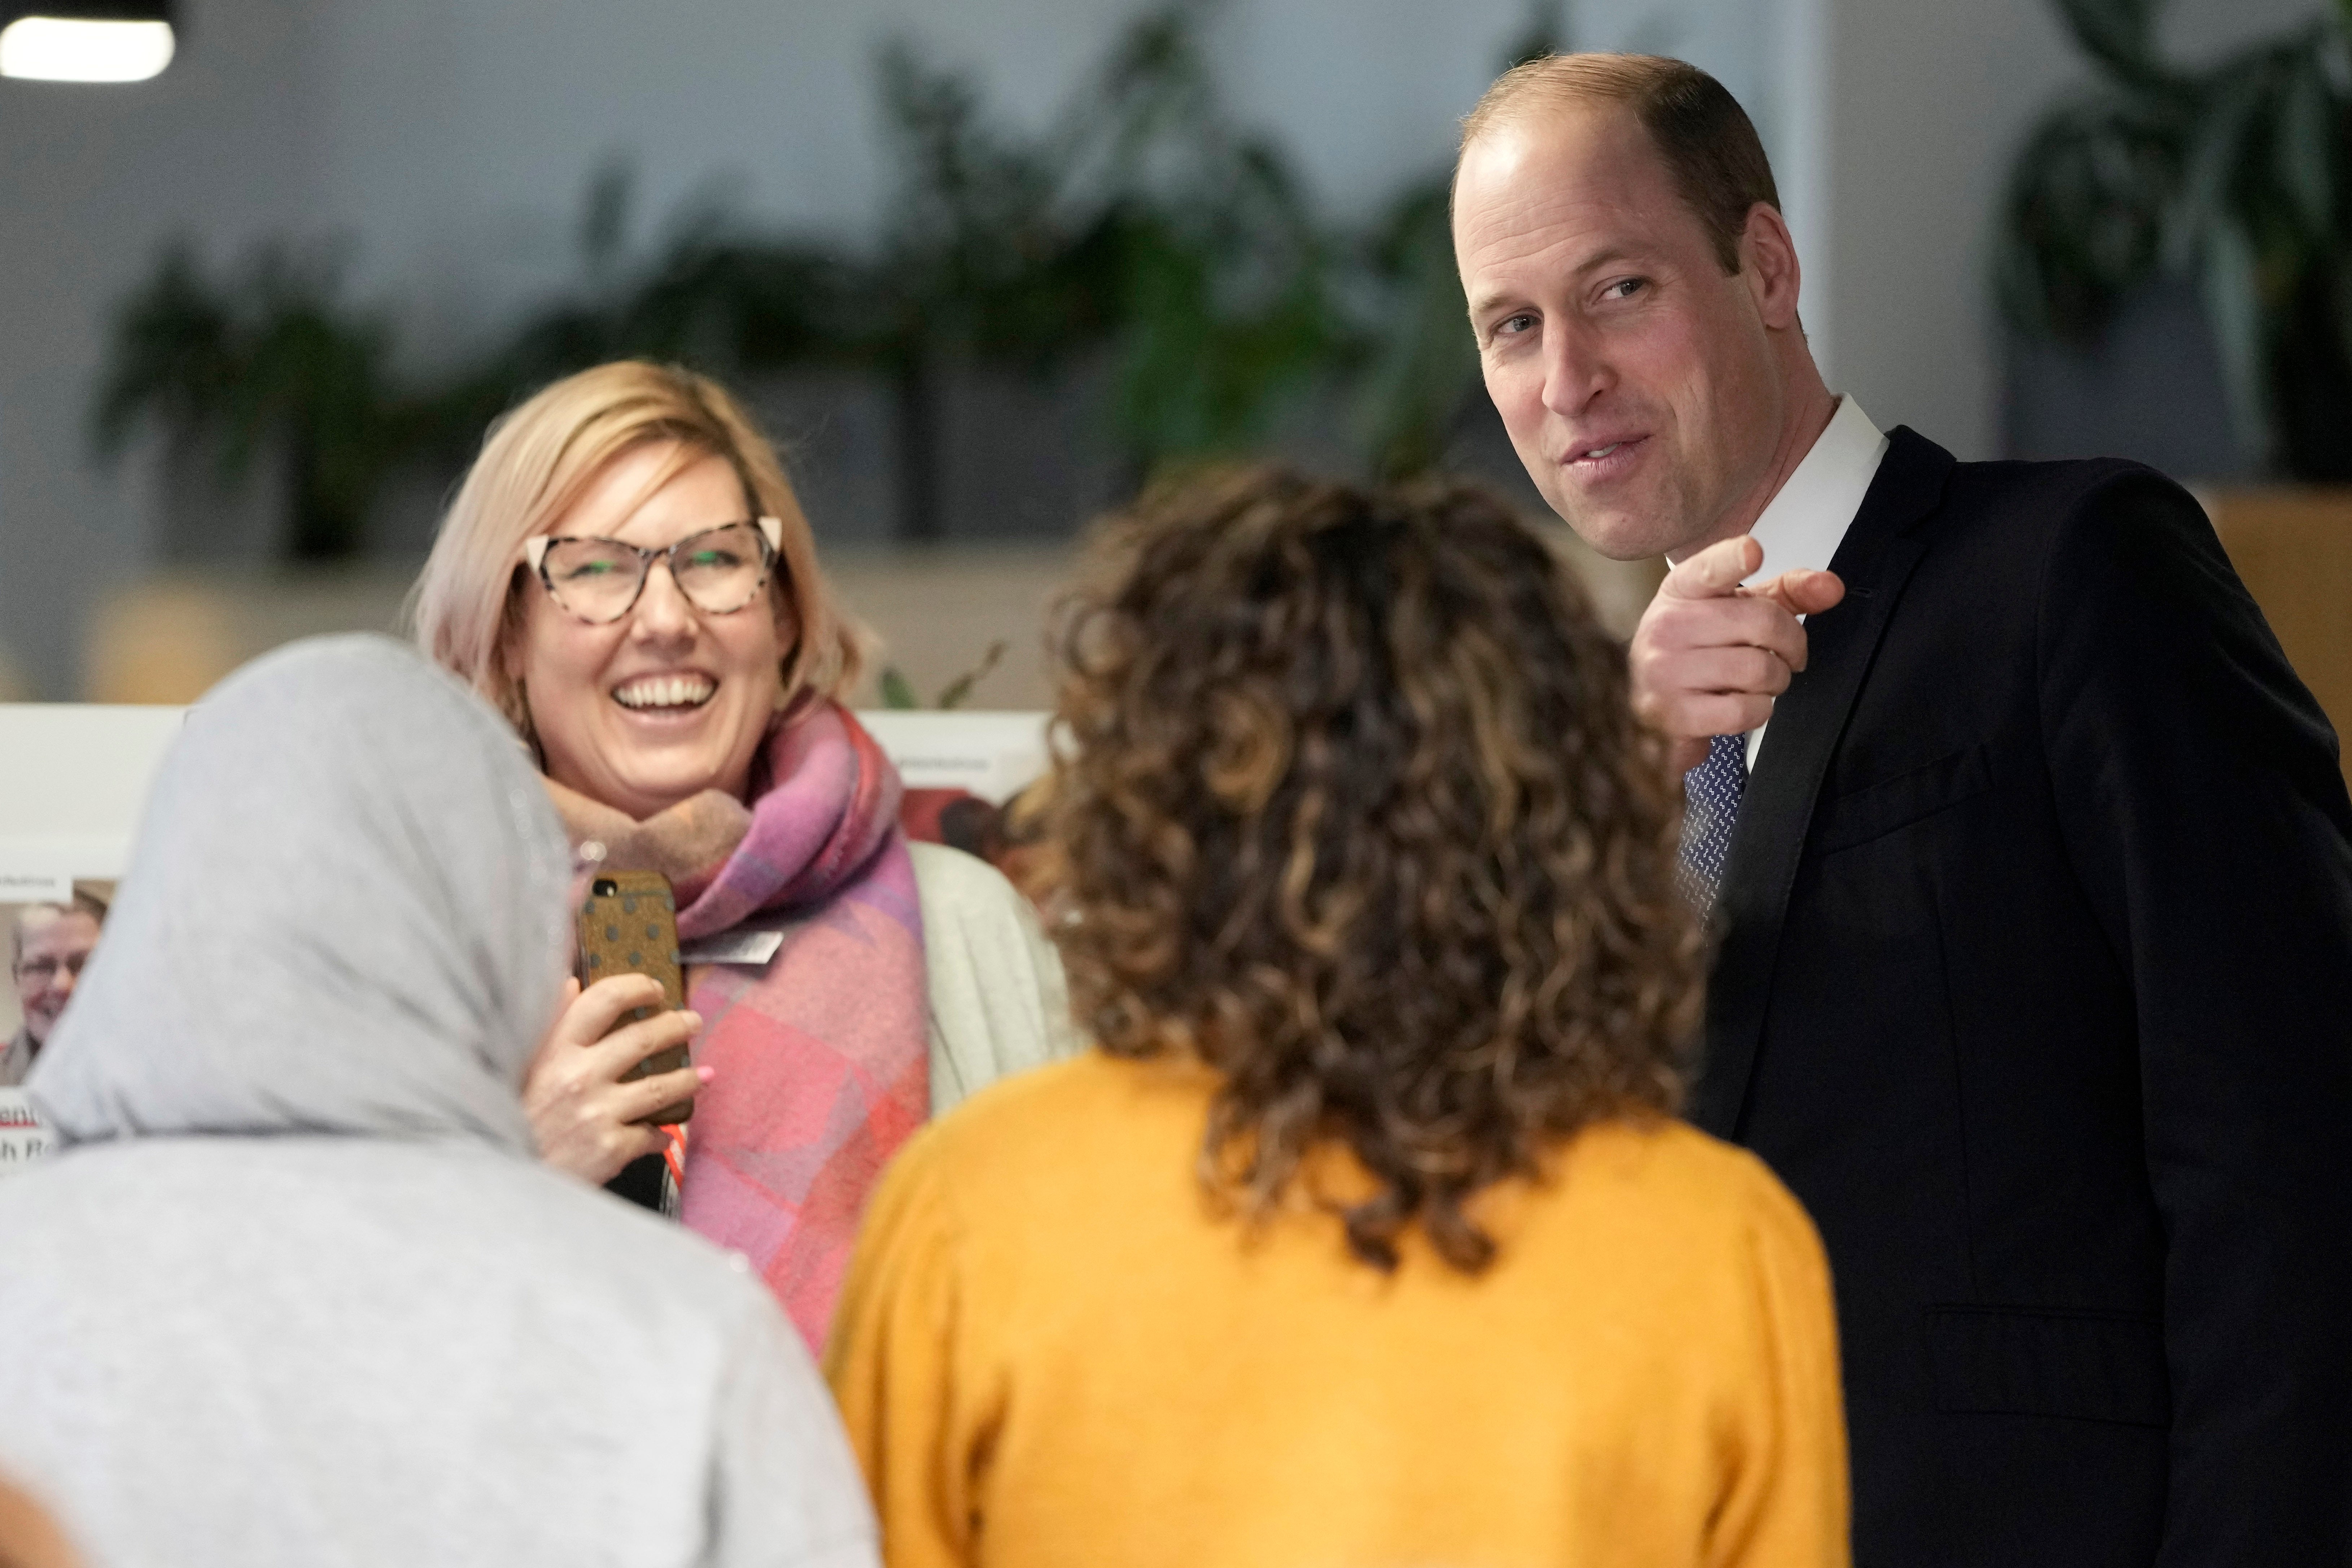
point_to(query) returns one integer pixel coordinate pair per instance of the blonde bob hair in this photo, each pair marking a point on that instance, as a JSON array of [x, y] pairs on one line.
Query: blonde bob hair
[[538, 459]]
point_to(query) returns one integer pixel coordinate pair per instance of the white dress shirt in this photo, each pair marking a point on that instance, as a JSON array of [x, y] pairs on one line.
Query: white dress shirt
[[1805, 521]]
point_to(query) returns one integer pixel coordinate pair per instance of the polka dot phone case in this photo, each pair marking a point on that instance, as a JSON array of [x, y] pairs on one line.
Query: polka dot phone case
[[629, 926]]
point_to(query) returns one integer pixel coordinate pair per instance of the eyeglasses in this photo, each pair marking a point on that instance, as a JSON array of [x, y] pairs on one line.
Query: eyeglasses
[[719, 569], [43, 971]]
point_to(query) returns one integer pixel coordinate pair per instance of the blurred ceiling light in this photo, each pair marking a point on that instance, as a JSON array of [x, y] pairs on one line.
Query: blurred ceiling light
[[85, 40]]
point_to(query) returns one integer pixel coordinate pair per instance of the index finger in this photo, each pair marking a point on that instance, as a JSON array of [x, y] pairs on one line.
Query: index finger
[[1801, 591], [594, 1013], [1715, 572]]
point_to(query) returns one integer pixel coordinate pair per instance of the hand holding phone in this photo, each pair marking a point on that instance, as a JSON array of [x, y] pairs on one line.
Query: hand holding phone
[[586, 1120]]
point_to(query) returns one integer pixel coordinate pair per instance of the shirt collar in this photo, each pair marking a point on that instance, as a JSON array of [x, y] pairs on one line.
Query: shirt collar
[[1803, 525]]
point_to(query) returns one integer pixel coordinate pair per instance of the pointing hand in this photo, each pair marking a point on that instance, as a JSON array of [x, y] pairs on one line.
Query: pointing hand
[[1710, 655]]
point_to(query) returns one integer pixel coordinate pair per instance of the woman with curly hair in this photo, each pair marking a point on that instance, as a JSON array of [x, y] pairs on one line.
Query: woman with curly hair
[[1366, 1235]]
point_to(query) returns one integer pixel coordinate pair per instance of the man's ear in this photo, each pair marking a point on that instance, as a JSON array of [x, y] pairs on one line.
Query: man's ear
[[1767, 256]]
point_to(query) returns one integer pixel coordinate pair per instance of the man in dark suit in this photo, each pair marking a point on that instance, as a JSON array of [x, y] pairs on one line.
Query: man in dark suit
[[2035, 913]]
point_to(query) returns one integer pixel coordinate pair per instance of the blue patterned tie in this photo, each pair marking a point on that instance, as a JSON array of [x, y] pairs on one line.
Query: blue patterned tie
[[1713, 790]]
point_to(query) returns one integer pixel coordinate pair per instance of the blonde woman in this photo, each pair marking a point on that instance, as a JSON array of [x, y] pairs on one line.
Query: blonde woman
[[626, 575]]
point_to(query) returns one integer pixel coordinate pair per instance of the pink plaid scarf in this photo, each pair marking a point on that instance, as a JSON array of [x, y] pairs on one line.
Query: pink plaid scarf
[[823, 1055]]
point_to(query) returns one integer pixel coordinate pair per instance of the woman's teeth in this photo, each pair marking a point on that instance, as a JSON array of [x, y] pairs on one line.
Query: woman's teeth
[[665, 691]]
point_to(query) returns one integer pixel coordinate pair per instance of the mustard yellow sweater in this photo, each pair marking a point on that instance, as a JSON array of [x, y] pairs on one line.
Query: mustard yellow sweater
[[1053, 1352]]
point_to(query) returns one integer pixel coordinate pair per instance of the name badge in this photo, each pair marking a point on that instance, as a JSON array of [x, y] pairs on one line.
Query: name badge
[[737, 946]]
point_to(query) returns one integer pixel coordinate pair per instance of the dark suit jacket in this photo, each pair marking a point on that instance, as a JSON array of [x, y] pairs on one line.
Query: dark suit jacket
[[2035, 985]]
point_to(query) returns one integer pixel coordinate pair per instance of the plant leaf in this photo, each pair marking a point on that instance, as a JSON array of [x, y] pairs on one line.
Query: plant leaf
[[2216, 171], [2121, 35], [2087, 209], [604, 215], [898, 692], [2304, 143], [2231, 289], [958, 691], [1422, 362]]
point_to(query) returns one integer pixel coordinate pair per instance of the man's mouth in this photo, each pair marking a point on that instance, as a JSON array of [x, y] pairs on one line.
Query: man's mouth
[[665, 693], [1605, 453]]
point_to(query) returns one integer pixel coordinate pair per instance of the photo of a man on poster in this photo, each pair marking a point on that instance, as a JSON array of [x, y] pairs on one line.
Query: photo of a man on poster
[[47, 945]]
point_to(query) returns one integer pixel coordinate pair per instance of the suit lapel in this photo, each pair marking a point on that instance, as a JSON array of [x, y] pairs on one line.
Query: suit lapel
[[1881, 547]]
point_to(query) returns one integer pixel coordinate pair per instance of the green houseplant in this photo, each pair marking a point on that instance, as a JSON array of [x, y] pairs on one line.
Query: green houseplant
[[1143, 228], [2236, 175], [265, 362]]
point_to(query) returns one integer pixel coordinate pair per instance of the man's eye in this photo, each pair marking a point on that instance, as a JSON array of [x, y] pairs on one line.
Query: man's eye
[[1625, 288], [1512, 326]]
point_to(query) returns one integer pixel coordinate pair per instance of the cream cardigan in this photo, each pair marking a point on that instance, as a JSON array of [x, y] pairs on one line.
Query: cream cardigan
[[998, 1003]]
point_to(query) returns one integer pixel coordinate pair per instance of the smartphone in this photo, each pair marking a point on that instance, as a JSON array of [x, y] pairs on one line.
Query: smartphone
[[629, 926]]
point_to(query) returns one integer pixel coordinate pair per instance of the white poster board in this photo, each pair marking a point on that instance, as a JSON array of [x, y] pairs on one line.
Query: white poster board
[[73, 777], [994, 756]]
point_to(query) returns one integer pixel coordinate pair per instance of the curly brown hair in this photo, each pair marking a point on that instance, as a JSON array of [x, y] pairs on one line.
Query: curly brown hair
[[1349, 803]]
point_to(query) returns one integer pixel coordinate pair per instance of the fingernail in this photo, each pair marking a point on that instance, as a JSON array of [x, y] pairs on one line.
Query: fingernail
[[706, 1074]]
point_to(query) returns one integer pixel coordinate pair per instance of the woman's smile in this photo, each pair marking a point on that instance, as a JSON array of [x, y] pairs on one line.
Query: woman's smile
[[666, 696]]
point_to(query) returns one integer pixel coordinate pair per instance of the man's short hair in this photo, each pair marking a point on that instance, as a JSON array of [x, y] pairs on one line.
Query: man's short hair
[[1706, 137], [86, 903]]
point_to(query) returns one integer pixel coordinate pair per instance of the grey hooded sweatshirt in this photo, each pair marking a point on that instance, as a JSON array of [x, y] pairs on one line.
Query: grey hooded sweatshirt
[[296, 1293]]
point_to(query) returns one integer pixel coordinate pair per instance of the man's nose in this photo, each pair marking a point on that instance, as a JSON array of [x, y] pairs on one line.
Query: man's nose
[[1574, 372], [63, 981]]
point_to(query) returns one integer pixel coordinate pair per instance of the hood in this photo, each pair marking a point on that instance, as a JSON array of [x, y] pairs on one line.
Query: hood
[[345, 913]]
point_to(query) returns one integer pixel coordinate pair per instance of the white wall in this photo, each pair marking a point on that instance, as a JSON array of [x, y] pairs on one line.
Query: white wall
[[1920, 103], [90, 180], [1920, 106]]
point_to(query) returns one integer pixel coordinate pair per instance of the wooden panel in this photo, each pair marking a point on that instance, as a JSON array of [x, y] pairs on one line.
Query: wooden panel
[[2293, 546], [168, 639]]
